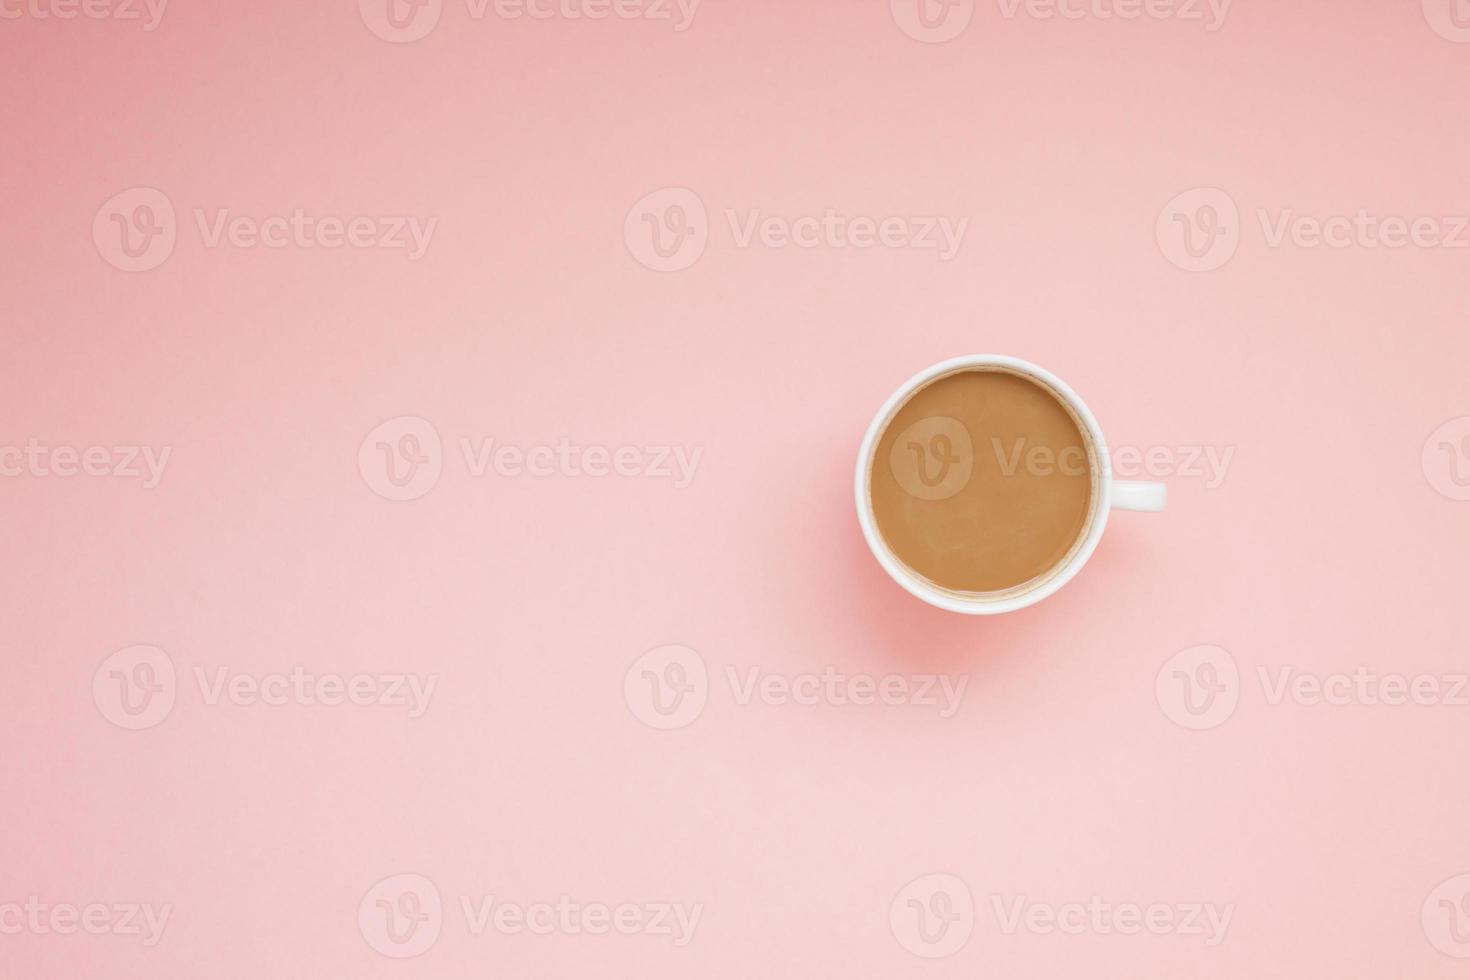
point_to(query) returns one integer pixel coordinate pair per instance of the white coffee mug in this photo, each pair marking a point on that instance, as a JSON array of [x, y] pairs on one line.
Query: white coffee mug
[[1111, 494]]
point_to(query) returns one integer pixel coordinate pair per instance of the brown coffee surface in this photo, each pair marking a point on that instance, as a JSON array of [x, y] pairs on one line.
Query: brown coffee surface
[[982, 481]]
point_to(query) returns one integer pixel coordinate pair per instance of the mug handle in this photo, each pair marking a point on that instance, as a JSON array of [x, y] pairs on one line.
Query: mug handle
[[1138, 495]]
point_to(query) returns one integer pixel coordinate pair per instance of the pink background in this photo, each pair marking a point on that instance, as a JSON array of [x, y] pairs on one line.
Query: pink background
[[1326, 548]]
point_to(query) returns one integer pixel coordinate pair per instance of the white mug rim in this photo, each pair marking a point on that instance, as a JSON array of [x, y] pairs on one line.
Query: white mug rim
[[930, 593]]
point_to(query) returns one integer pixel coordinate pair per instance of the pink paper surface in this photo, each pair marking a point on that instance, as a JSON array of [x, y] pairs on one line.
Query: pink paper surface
[[631, 698]]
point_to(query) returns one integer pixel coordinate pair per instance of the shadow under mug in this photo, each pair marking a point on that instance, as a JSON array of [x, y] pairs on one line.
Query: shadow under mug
[[1110, 494]]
